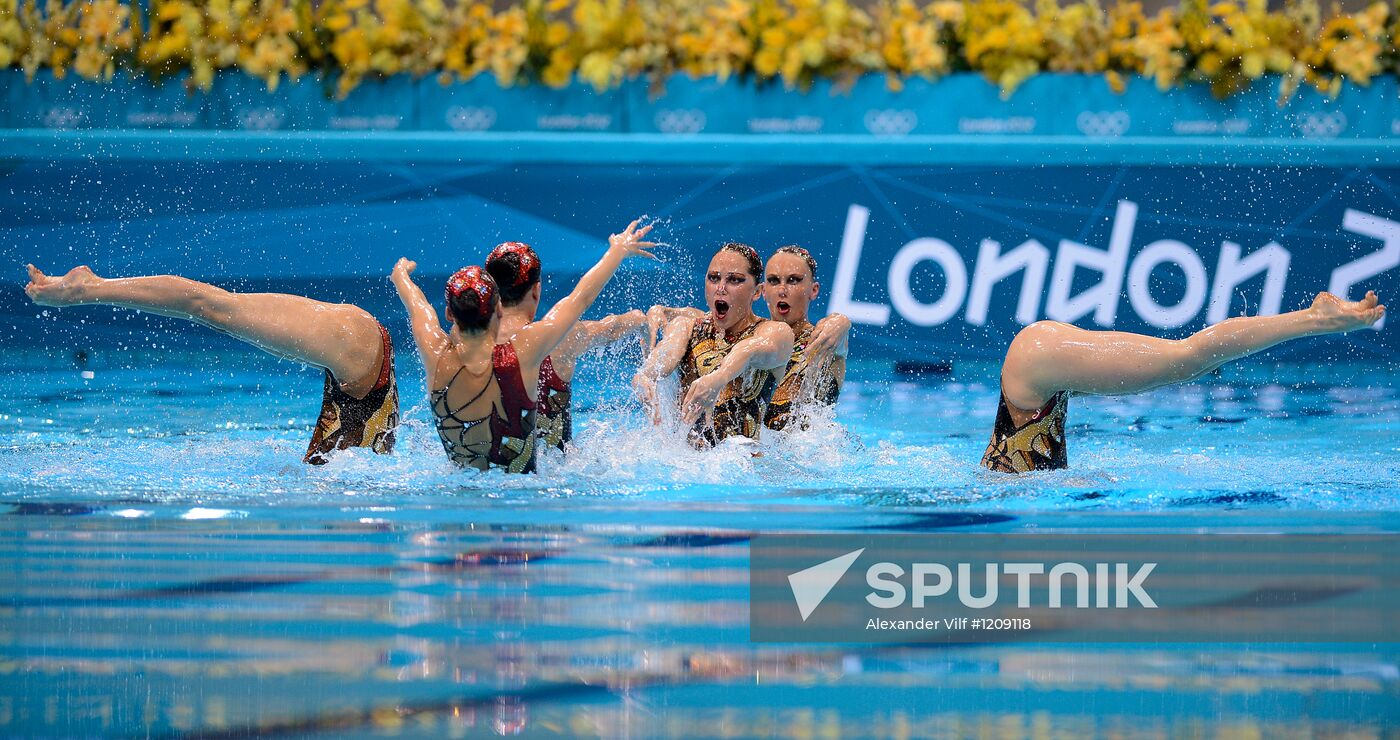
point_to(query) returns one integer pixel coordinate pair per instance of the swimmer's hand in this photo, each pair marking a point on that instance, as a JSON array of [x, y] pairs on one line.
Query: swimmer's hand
[[403, 269], [1336, 315], [629, 242], [829, 338], [69, 290], [644, 385], [699, 403]]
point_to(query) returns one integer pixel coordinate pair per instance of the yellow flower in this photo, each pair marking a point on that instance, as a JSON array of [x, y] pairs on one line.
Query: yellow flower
[[12, 38], [947, 11], [1002, 40], [1224, 43], [1350, 47], [912, 41]]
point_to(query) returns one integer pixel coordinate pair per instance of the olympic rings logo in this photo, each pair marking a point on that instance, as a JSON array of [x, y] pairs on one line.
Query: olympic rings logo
[[680, 121], [461, 118], [261, 119], [63, 118], [1322, 125], [1103, 123], [890, 122]]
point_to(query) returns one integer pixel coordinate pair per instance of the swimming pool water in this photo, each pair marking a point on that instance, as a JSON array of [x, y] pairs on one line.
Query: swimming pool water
[[232, 427], [169, 567]]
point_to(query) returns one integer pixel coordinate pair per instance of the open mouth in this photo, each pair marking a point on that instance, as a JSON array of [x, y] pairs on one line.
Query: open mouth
[[721, 308], [782, 307]]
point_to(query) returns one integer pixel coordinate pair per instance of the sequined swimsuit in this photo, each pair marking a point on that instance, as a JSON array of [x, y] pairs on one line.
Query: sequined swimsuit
[[511, 423], [801, 387], [740, 408], [346, 421], [553, 406], [1039, 444]]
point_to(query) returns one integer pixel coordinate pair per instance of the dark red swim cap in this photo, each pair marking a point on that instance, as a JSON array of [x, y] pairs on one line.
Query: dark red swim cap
[[474, 280], [529, 267]]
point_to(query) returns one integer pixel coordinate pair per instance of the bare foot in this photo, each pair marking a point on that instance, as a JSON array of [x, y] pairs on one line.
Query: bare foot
[[68, 290], [1336, 315]]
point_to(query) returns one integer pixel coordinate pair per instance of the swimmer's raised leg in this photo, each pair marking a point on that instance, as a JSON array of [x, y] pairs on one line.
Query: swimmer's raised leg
[[1048, 361], [342, 338], [1048, 357]]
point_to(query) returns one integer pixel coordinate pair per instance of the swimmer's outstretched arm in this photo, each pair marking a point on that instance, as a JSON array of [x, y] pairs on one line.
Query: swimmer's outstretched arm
[[433, 343], [589, 334], [339, 337], [658, 317], [769, 348], [537, 339], [1048, 357], [586, 335], [663, 360]]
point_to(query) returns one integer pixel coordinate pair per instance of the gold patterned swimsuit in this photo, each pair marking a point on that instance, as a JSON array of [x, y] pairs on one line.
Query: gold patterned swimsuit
[[346, 421], [740, 408], [1039, 444], [800, 387], [553, 407]]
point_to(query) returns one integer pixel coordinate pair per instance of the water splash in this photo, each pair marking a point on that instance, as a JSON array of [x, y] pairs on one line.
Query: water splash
[[226, 440]]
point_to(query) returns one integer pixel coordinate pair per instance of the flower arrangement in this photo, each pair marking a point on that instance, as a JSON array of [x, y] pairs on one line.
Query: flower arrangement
[[1225, 44]]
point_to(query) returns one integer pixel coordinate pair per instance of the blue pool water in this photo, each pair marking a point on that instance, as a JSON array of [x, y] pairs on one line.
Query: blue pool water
[[169, 567], [231, 427]]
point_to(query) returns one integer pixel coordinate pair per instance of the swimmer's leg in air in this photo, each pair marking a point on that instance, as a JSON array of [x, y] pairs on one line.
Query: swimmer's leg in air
[[1049, 360], [341, 338], [359, 399]]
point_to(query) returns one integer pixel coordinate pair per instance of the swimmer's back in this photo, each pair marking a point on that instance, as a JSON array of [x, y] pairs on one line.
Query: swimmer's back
[[485, 417]]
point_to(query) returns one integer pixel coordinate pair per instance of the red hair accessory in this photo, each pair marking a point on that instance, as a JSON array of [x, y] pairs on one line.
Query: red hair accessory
[[529, 261], [473, 279]]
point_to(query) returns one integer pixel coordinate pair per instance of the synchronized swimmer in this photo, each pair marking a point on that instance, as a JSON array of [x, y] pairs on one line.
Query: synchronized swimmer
[[500, 379], [815, 364], [484, 391], [516, 269], [360, 401], [1049, 361], [730, 360]]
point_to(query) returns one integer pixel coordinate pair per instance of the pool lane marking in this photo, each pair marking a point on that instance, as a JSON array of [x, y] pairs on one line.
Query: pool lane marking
[[349, 719], [340, 720], [491, 557]]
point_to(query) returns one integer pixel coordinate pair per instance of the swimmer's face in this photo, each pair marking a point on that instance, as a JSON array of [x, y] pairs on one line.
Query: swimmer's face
[[729, 289], [789, 288]]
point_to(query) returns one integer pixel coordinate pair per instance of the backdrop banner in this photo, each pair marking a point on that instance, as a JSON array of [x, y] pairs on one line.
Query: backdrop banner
[[965, 104], [927, 260]]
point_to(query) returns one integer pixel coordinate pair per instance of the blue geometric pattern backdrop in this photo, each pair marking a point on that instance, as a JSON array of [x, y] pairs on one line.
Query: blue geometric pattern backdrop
[[929, 260]]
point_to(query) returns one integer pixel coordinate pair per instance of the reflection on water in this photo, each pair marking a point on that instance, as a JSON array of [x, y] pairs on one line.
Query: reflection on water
[[351, 625], [169, 567]]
